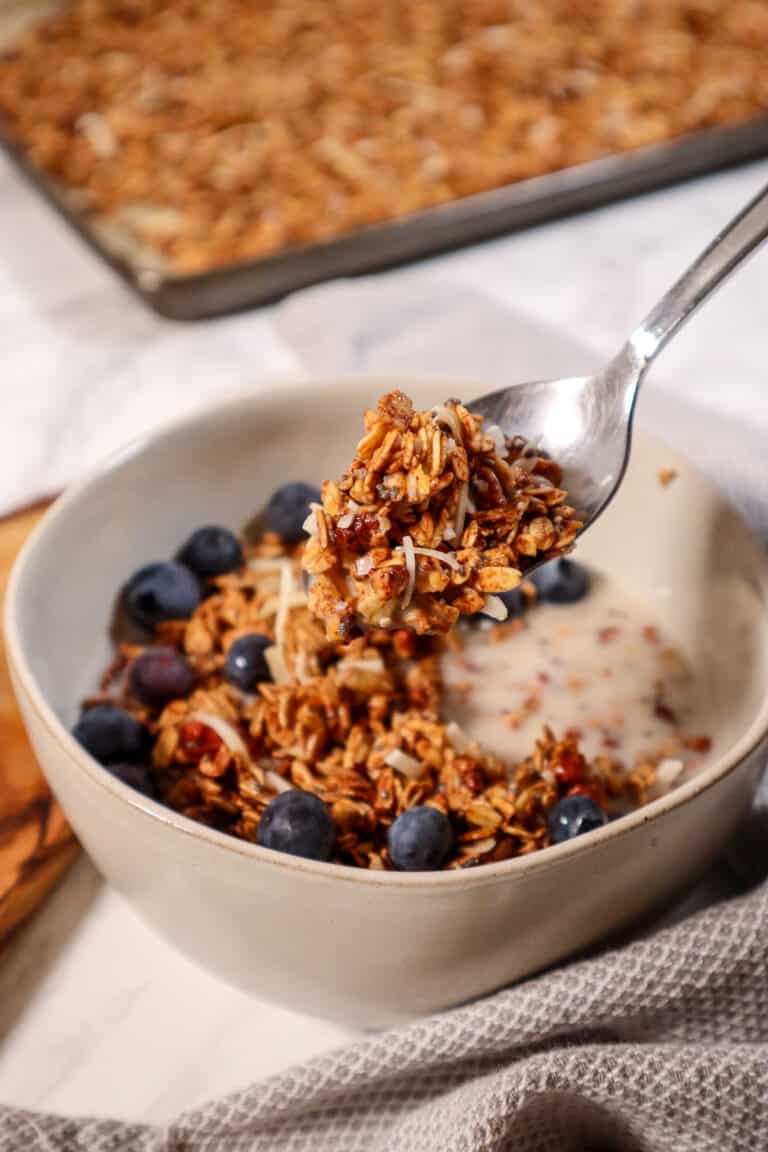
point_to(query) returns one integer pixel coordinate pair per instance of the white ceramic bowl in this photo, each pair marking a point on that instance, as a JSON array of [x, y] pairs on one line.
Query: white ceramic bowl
[[372, 948]]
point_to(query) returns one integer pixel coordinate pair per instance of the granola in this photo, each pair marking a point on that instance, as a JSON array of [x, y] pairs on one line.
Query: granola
[[360, 725], [436, 516], [218, 132]]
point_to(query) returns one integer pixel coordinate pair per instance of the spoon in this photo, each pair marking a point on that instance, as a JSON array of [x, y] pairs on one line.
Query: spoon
[[585, 422]]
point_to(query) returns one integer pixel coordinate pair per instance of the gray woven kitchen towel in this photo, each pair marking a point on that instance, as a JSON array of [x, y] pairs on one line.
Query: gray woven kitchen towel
[[657, 1044]]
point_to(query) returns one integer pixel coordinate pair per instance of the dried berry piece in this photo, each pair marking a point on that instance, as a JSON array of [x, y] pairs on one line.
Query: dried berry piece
[[160, 674]]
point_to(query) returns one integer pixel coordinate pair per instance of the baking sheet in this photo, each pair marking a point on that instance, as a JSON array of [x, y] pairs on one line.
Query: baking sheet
[[260, 281]]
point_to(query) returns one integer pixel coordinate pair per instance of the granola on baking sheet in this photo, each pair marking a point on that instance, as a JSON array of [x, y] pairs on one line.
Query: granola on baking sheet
[[437, 514], [212, 133]]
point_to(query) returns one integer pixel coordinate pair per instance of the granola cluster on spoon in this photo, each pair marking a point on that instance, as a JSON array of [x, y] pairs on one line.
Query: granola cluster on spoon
[[438, 516]]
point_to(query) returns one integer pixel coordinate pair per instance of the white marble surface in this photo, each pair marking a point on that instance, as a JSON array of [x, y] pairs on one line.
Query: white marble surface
[[96, 1013], [99, 1016]]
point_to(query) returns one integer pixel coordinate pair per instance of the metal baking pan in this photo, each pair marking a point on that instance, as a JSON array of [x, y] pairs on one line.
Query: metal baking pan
[[478, 217]]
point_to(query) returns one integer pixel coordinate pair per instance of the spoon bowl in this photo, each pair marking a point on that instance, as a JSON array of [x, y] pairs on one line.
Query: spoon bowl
[[570, 421], [585, 422]]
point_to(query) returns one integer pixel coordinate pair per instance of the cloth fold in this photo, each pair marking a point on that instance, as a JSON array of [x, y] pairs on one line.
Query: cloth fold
[[656, 1045]]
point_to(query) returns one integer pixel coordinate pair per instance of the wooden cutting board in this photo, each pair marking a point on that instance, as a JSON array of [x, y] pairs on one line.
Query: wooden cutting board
[[36, 844]]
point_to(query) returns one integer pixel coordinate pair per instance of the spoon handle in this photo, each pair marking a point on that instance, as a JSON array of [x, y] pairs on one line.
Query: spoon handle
[[738, 240]]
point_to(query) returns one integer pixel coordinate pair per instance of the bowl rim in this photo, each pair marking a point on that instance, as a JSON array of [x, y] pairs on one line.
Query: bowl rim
[[309, 389]]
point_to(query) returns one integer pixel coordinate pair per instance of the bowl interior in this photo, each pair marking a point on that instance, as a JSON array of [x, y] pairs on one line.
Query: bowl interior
[[681, 549]]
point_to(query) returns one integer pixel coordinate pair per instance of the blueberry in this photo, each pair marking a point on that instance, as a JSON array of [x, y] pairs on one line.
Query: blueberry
[[246, 666], [288, 508], [160, 592], [112, 735], [298, 823], [160, 674], [136, 776], [212, 551], [420, 839], [572, 816], [562, 581]]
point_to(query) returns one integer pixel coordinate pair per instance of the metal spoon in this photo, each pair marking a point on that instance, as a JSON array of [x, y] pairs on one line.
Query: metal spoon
[[585, 422]]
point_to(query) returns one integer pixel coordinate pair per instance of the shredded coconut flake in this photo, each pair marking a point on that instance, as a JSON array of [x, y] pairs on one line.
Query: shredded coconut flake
[[345, 520], [278, 669], [276, 781], [457, 737], [300, 667], [282, 608], [404, 763], [368, 664], [310, 525], [363, 565], [499, 440], [495, 608], [461, 511], [444, 557], [225, 731], [410, 552], [290, 596], [442, 414], [668, 771], [268, 563], [480, 847], [410, 563]]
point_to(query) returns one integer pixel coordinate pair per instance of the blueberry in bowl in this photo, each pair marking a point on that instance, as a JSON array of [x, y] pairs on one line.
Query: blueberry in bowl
[[246, 664], [162, 591], [136, 776], [298, 823], [112, 735], [420, 839], [211, 551], [288, 509], [573, 816], [562, 581]]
